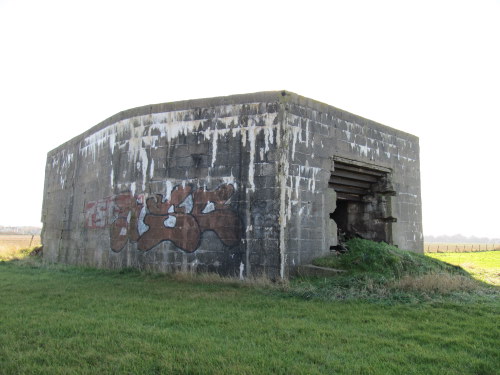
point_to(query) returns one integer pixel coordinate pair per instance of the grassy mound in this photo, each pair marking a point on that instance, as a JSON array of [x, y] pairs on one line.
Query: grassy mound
[[383, 259], [380, 272]]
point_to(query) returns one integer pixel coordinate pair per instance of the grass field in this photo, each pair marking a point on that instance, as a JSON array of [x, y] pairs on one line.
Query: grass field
[[64, 320], [483, 265], [59, 319]]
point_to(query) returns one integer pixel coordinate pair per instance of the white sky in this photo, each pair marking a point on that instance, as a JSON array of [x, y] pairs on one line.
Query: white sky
[[431, 68]]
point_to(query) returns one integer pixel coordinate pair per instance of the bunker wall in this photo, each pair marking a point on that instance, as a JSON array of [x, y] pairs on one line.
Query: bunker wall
[[318, 134], [239, 185], [180, 189]]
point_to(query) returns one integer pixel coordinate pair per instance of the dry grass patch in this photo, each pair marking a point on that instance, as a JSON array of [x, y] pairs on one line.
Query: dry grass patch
[[261, 281], [17, 246], [443, 283]]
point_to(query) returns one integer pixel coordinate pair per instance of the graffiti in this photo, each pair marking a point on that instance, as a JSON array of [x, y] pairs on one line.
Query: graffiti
[[125, 224], [181, 218], [102, 213]]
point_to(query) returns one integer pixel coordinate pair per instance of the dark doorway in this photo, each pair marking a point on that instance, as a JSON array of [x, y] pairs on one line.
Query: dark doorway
[[364, 194], [340, 215]]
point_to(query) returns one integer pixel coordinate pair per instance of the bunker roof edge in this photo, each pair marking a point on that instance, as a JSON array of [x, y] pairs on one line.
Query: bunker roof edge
[[281, 96]]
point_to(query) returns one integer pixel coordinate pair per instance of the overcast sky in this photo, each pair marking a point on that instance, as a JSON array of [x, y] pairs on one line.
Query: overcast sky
[[430, 68]]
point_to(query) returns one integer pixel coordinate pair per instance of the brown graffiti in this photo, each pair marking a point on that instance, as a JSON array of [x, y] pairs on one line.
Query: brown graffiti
[[176, 226], [181, 219], [185, 234], [127, 209], [212, 213]]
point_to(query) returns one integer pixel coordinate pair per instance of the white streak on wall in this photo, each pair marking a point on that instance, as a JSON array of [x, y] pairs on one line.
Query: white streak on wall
[[215, 136], [138, 134], [142, 227], [251, 164], [234, 132], [143, 155], [152, 169], [289, 202], [230, 180], [168, 190], [171, 126], [363, 149], [282, 180], [297, 186], [244, 137], [307, 133], [268, 137], [295, 131], [278, 136], [294, 123], [112, 142], [242, 268], [308, 175], [61, 162]]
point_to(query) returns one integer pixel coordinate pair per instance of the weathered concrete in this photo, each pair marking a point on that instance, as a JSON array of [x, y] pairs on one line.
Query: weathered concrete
[[239, 185]]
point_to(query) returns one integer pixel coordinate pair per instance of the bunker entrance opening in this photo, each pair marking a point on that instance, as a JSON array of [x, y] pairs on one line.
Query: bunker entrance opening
[[363, 201]]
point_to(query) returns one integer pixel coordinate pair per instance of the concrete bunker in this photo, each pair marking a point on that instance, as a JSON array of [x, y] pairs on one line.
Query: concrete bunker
[[240, 185]]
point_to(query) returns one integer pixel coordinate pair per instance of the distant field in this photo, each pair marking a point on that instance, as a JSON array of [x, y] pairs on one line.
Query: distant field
[[459, 247], [11, 244]]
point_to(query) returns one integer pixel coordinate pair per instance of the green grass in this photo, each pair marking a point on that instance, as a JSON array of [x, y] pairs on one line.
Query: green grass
[[484, 265], [69, 320], [383, 259], [380, 272]]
